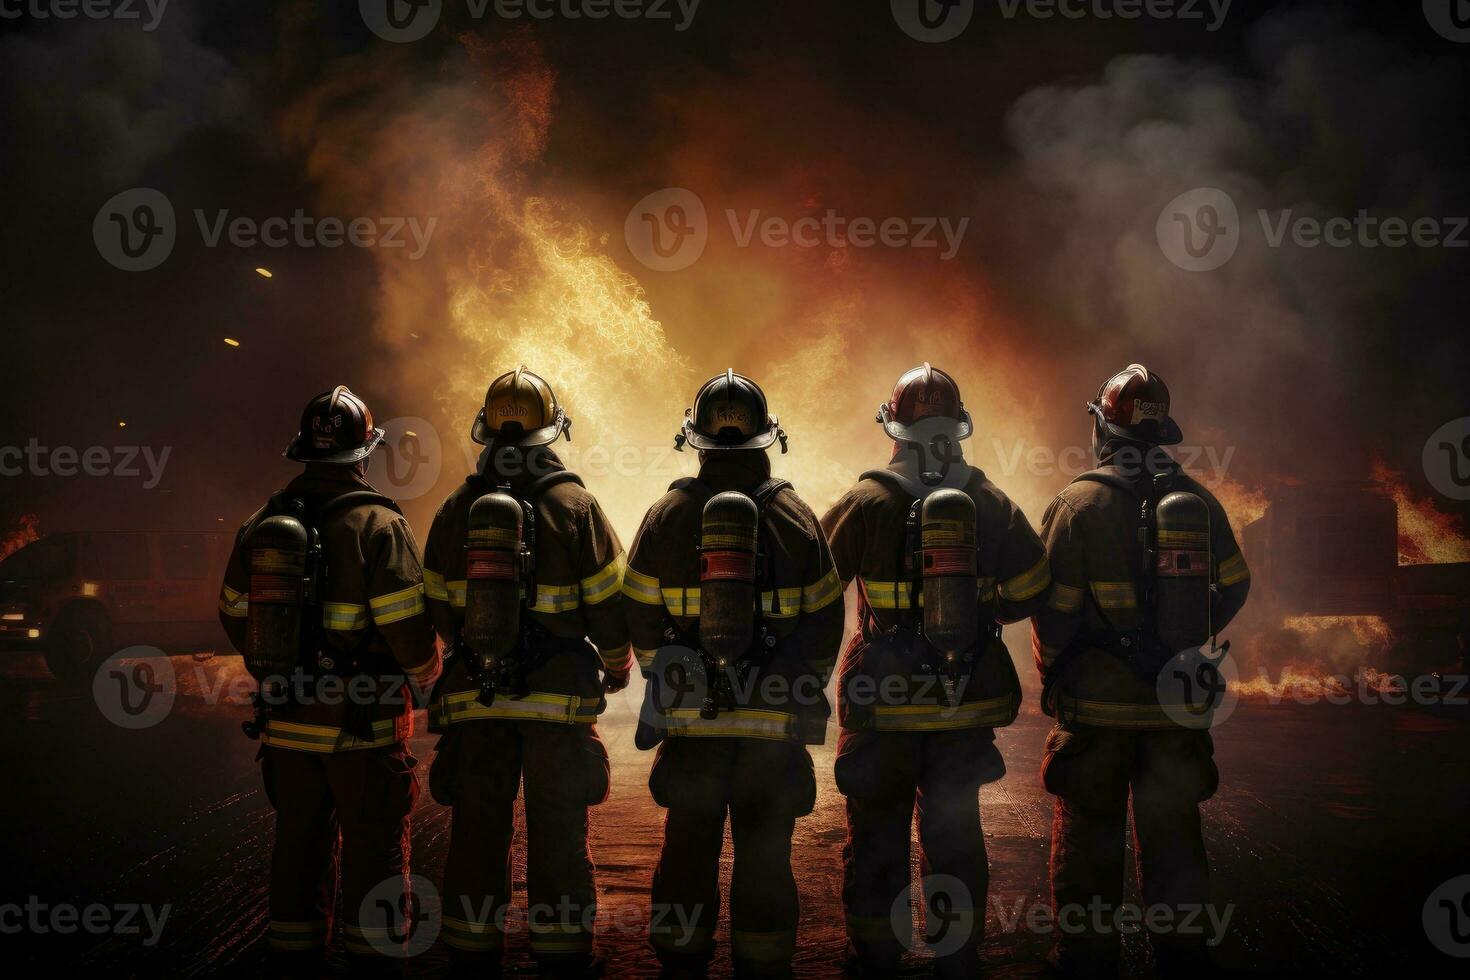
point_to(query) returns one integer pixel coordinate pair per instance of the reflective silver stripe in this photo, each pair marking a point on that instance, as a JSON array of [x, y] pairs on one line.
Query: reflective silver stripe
[[400, 605], [325, 738], [895, 595], [606, 582], [821, 593], [344, 616], [556, 598], [641, 588], [457, 592], [682, 602], [234, 604]]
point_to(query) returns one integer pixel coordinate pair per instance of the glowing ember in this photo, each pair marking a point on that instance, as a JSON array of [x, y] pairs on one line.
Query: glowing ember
[[22, 532], [264, 273], [232, 342]]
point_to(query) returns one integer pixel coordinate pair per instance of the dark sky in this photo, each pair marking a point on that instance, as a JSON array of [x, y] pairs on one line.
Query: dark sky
[[1320, 364]]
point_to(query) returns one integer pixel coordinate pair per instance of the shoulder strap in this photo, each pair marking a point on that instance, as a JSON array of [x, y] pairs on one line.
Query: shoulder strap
[[542, 484], [884, 476], [766, 492], [355, 499], [1108, 479]]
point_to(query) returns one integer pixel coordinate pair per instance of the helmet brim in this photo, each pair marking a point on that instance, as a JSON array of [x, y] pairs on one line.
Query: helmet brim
[[482, 434], [926, 429], [707, 444], [346, 457]]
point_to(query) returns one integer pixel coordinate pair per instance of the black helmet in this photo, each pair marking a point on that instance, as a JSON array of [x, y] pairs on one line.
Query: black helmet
[[729, 413], [336, 427]]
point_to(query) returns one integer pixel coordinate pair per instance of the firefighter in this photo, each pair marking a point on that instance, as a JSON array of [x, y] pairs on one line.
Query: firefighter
[[324, 596], [1114, 618], [736, 620], [926, 679], [524, 576]]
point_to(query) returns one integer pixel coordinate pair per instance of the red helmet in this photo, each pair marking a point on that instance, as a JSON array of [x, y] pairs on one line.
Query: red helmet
[[336, 427], [924, 398], [1134, 404]]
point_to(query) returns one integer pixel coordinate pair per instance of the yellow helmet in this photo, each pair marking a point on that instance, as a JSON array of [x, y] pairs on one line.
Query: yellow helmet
[[520, 410]]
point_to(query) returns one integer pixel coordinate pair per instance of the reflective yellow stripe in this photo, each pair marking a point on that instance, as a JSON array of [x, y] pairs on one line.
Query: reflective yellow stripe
[[1115, 595], [681, 602], [344, 616], [645, 657], [234, 604], [1113, 714], [1196, 540], [991, 713], [556, 598], [434, 586], [559, 938], [1029, 583], [822, 592], [606, 582], [641, 588], [457, 592], [473, 936], [536, 706], [788, 607], [895, 595], [400, 605], [738, 723], [288, 936], [1233, 570], [762, 947], [325, 738], [1065, 598]]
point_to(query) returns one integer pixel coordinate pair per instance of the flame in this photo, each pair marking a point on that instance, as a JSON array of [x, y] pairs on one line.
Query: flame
[[1426, 535], [23, 531], [1298, 682], [1242, 504], [1372, 632]]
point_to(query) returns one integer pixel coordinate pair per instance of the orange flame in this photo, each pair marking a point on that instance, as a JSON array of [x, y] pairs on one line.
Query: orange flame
[[1426, 535]]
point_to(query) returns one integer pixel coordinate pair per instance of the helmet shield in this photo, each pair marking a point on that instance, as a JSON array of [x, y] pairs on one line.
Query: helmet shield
[[1134, 404], [925, 403], [336, 428], [730, 412]]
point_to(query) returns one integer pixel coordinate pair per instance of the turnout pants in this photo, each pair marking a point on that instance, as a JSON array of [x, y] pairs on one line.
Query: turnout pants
[[1096, 773], [762, 786], [478, 771], [365, 797], [886, 777]]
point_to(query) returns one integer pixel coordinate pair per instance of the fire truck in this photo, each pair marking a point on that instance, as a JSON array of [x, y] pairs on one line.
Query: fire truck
[[81, 596], [1332, 549]]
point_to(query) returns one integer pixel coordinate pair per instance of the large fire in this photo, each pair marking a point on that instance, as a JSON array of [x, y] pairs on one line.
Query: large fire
[[1426, 535], [21, 532]]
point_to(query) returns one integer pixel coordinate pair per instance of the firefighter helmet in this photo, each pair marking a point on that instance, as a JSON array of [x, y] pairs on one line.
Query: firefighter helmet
[[520, 410], [1134, 404], [336, 427], [730, 412], [924, 402]]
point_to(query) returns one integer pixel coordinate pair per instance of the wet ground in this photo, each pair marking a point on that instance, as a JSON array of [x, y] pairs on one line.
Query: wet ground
[[1333, 825]]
